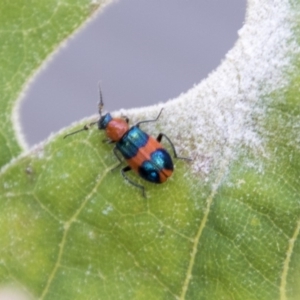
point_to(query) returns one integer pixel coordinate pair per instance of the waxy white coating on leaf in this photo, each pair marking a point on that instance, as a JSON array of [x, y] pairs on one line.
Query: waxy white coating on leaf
[[214, 119]]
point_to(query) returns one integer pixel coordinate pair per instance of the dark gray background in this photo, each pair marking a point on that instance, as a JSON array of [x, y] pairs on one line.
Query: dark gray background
[[142, 52]]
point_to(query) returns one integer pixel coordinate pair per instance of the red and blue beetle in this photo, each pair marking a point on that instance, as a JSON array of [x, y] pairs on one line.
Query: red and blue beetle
[[144, 154]]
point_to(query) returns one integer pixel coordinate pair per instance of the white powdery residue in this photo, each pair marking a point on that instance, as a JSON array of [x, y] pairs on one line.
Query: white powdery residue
[[107, 210], [218, 113]]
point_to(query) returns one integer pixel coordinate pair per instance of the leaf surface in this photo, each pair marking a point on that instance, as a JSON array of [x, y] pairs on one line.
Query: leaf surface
[[225, 226], [29, 33]]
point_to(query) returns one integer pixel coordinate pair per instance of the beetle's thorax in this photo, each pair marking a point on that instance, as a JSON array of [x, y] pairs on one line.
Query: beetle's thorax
[[116, 128]]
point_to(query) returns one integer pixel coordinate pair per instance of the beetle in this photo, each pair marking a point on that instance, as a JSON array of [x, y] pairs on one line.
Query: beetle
[[144, 154]]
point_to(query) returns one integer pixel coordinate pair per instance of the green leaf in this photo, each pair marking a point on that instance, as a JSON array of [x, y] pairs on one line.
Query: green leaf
[[225, 226], [30, 31]]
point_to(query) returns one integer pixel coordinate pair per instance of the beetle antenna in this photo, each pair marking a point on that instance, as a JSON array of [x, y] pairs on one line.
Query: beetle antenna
[[85, 127], [100, 108], [101, 104]]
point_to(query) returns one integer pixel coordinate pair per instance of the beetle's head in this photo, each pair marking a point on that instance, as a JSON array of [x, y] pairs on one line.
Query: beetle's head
[[104, 120]]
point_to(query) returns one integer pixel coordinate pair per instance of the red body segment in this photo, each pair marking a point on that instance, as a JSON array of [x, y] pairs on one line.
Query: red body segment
[[164, 175]]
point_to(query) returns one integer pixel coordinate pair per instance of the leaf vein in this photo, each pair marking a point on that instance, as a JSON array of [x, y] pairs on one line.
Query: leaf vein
[[287, 260], [209, 202], [67, 226]]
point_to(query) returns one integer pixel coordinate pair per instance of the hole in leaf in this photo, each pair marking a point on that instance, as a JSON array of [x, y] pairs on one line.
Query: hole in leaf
[[142, 52]]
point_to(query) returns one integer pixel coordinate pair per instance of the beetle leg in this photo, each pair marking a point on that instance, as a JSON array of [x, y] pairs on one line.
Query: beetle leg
[[126, 169], [118, 157], [147, 121], [125, 118], [108, 141], [159, 138]]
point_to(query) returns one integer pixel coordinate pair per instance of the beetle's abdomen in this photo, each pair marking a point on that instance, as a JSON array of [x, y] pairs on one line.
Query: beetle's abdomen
[[146, 156]]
